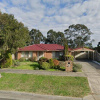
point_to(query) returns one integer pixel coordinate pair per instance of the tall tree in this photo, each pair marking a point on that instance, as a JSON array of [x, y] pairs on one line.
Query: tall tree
[[78, 36], [13, 34], [98, 47], [36, 36], [54, 37]]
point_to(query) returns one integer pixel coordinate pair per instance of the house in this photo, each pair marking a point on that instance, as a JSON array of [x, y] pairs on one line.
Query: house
[[53, 51], [41, 50]]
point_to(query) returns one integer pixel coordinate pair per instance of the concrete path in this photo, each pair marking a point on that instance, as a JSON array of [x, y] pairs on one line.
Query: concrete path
[[41, 72]]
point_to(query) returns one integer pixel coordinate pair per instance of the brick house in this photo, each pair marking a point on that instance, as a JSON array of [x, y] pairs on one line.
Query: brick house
[[41, 50], [53, 51]]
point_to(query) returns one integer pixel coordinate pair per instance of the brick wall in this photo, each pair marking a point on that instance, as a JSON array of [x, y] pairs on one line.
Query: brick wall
[[19, 55], [35, 55], [48, 54]]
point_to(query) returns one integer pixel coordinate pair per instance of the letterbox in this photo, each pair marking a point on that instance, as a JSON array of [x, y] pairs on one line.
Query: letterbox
[[69, 66]]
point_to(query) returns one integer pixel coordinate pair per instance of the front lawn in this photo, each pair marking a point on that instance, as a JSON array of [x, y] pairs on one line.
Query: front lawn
[[28, 65], [52, 85]]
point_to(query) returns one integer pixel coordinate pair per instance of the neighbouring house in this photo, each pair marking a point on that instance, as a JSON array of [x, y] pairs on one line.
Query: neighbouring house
[[41, 50], [53, 51]]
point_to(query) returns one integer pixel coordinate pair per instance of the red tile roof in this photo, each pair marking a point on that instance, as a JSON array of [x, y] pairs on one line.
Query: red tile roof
[[42, 47]]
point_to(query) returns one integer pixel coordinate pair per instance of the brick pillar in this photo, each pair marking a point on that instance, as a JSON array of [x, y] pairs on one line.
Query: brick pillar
[[69, 66], [19, 55]]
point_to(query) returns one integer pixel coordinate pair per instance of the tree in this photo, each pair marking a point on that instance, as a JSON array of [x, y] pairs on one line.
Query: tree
[[98, 47], [36, 36], [13, 34], [78, 36], [54, 37]]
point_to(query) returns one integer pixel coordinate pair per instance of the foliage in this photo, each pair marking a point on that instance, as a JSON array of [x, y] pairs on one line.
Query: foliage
[[66, 49], [7, 62], [78, 36], [22, 59], [98, 47], [62, 63], [69, 57], [77, 67], [32, 59], [13, 34], [15, 63], [62, 58], [56, 63], [42, 59], [54, 37], [45, 65], [51, 63], [36, 37]]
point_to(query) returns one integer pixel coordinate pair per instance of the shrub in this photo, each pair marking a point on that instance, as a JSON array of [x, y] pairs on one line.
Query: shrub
[[69, 57], [15, 63], [45, 65], [32, 59], [22, 59], [61, 58], [7, 62], [56, 64], [42, 59], [77, 67], [62, 64], [51, 63]]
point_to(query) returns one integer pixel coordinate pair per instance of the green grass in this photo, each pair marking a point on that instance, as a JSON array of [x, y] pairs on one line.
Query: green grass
[[27, 65], [52, 85]]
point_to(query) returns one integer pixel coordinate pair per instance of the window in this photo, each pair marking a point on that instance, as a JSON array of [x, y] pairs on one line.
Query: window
[[30, 54]]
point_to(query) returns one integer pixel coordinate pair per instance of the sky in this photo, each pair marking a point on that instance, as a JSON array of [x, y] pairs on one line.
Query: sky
[[55, 14]]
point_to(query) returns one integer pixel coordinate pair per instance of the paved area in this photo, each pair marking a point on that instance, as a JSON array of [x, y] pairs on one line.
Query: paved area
[[40, 72], [90, 70]]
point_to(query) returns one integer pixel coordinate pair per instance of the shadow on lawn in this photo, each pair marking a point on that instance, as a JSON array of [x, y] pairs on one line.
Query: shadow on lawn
[[35, 66]]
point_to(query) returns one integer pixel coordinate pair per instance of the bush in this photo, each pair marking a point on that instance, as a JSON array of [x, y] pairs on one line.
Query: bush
[[77, 67], [62, 64], [32, 59], [61, 58], [51, 63], [56, 64], [45, 65], [7, 62], [43, 59], [69, 57], [15, 63], [22, 59]]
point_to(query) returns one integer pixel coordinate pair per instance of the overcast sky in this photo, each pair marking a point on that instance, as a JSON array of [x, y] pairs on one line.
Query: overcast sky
[[55, 14]]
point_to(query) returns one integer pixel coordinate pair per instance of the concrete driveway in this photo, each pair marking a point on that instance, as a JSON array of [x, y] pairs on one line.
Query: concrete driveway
[[90, 70]]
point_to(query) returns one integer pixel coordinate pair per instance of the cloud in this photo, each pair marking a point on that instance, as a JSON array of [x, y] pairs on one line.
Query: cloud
[[55, 14]]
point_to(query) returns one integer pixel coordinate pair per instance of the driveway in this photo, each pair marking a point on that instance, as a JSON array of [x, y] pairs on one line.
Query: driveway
[[92, 71]]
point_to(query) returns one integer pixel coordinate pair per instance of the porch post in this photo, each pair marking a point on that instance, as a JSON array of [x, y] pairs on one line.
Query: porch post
[[88, 54], [93, 55]]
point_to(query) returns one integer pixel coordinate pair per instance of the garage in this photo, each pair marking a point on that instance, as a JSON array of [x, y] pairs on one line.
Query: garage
[[83, 53]]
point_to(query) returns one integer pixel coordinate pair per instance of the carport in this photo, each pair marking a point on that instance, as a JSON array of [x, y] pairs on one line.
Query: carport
[[83, 53]]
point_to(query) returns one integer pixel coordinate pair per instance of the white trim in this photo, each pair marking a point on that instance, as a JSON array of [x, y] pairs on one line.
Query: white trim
[[96, 62]]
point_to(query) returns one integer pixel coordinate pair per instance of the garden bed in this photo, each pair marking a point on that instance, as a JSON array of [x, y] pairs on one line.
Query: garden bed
[[52, 85]]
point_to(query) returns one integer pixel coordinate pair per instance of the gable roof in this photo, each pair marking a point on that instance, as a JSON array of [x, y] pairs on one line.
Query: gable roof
[[43, 47]]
